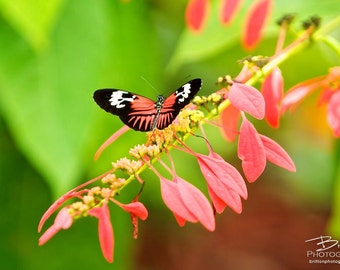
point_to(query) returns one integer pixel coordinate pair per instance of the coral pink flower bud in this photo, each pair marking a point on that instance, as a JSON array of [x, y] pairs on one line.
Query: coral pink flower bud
[[196, 14], [255, 22]]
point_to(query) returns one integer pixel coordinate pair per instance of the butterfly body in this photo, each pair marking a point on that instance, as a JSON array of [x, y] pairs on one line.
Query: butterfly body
[[143, 114]]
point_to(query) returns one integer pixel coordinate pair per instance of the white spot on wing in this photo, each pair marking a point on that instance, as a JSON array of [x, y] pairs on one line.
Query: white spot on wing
[[184, 93], [117, 100]]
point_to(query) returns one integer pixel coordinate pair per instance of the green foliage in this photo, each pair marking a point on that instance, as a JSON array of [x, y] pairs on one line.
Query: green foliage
[[32, 19], [47, 95]]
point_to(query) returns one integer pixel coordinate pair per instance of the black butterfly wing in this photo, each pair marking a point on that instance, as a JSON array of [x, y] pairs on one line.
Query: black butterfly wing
[[135, 111], [141, 113], [174, 103]]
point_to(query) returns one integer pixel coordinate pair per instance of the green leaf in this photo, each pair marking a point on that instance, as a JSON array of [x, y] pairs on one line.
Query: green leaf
[[46, 99], [32, 19]]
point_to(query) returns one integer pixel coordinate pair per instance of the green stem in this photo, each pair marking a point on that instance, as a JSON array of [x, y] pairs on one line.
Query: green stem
[[332, 43], [329, 27]]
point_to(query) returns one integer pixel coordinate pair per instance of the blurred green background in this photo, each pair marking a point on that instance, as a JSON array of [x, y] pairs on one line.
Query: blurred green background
[[54, 54]]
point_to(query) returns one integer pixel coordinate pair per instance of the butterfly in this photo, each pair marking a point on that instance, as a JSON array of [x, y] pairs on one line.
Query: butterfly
[[143, 114]]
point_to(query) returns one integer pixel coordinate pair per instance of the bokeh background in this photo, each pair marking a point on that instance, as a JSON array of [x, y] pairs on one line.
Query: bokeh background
[[54, 54]]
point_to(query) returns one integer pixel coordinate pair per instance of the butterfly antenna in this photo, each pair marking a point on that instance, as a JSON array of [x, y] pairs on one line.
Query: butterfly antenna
[[149, 84]]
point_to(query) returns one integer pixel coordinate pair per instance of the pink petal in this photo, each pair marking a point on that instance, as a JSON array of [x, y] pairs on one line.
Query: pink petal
[[48, 234], [230, 117], [228, 10], [330, 86], [218, 203], [245, 74], [230, 175], [256, 19], [225, 183], [70, 194], [197, 202], [325, 96], [300, 91], [213, 181], [55, 206], [276, 154], [63, 220], [105, 230], [248, 99], [333, 113], [272, 90], [233, 201], [173, 200], [195, 14], [251, 151], [180, 221], [136, 208], [110, 140], [220, 178]]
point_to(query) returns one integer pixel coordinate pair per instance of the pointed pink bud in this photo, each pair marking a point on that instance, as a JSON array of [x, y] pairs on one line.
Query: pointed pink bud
[[228, 10], [333, 113], [248, 99], [272, 90], [196, 13], [63, 220], [105, 230], [256, 20], [251, 151], [300, 91], [137, 209], [198, 203], [276, 154], [230, 117]]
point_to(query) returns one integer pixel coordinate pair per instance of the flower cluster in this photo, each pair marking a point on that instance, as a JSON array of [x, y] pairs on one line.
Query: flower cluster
[[228, 109], [225, 184]]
